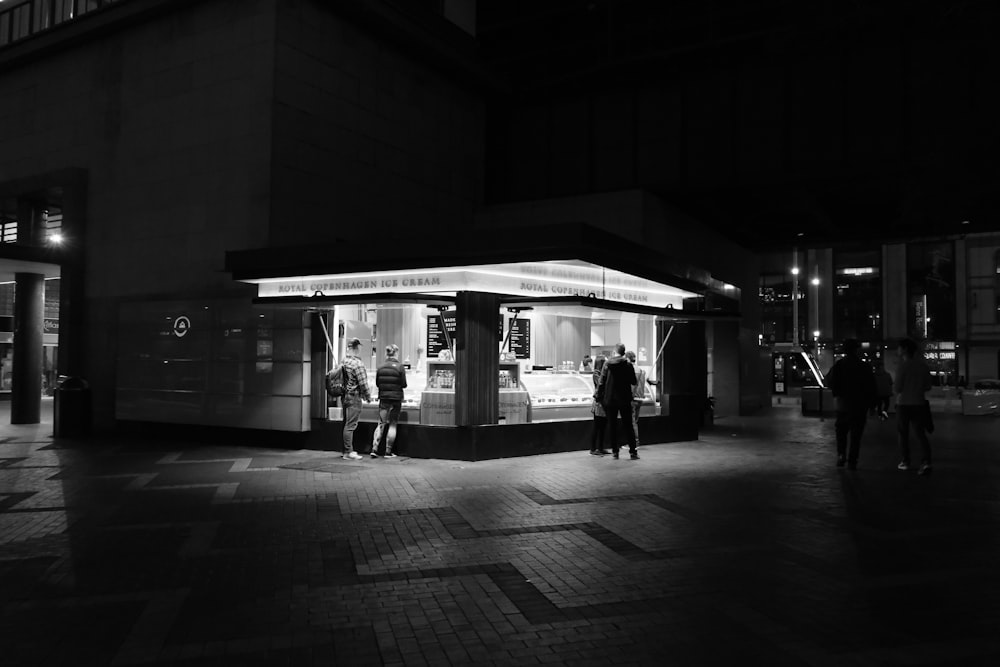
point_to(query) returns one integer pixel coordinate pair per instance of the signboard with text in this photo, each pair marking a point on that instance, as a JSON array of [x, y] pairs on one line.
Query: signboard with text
[[520, 338], [436, 340], [532, 279]]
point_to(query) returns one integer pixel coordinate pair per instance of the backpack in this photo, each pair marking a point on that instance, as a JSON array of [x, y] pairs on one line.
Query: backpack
[[336, 381]]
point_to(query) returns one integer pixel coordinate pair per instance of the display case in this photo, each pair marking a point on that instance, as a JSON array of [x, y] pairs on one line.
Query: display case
[[559, 395], [437, 400], [512, 405]]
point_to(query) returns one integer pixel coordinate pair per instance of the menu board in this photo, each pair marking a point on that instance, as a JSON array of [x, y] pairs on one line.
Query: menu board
[[520, 338], [435, 334]]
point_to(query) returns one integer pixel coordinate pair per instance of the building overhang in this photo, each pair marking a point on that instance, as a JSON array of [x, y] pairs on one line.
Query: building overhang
[[593, 264]]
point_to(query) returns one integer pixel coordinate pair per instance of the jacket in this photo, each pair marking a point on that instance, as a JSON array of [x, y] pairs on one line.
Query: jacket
[[355, 381], [390, 378], [639, 388], [852, 383], [615, 385], [913, 378]]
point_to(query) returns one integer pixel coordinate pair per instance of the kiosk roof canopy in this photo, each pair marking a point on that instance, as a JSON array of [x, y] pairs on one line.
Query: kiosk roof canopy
[[542, 280], [562, 242]]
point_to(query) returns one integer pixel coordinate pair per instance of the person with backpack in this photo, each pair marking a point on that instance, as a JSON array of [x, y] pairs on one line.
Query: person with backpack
[[390, 378], [356, 391]]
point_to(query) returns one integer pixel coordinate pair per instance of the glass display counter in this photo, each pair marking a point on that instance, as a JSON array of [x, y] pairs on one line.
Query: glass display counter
[[559, 395], [513, 399], [437, 399]]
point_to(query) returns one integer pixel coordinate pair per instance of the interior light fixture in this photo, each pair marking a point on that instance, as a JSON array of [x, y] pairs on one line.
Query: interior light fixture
[[56, 238]]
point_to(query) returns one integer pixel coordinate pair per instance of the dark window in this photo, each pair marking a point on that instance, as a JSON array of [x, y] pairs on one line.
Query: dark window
[[931, 290], [857, 295]]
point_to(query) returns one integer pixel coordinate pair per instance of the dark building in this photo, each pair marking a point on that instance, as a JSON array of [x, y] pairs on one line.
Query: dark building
[[239, 186]]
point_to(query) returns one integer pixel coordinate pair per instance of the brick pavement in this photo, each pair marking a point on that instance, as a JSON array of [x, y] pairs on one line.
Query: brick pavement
[[745, 547]]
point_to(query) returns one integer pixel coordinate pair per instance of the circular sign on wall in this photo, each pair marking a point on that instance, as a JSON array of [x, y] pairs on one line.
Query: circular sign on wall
[[181, 326]]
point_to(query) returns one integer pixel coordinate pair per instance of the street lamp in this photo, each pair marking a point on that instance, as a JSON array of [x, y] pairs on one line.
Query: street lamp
[[795, 300]]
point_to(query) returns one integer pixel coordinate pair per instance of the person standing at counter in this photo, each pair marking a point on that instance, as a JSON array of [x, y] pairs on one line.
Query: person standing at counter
[[638, 393], [390, 378], [614, 391], [355, 392], [600, 416]]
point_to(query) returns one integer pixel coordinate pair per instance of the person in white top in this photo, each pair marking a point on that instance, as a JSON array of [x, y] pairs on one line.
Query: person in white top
[[638, 393]]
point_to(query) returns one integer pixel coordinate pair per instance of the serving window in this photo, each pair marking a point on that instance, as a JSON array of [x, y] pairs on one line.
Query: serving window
[[545, 356]]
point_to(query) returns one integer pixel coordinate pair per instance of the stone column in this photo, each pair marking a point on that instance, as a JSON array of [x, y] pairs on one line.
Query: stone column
[[29, 311]]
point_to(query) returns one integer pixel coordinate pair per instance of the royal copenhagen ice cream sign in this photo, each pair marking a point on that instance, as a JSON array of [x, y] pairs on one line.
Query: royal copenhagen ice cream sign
[[530, 279]]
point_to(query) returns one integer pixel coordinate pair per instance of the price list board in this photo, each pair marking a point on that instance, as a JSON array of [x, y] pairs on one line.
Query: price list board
[[520, 338], [436, 340]]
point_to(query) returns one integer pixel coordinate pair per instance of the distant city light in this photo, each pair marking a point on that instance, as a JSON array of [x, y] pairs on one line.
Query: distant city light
[[815, 281], [795, 270], [858, 271]]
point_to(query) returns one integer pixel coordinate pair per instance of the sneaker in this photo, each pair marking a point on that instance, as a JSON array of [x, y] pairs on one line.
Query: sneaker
[[353, 456], [634, 456], [614, 455], [903, 465], [389, 455], [374, 455], [925, 469]]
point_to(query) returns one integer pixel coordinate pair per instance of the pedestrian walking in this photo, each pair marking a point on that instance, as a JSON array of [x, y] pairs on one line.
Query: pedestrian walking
[[390, 379], [883, 391], [356, 391], [600, 415], [913, 379], [853, 385], [614, 391], [638, 393]]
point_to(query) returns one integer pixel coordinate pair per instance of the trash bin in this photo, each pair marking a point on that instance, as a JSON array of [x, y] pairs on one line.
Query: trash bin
[[71, 410]]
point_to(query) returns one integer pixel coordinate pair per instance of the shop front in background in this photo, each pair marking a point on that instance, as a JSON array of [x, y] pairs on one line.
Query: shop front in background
[[545, 356]]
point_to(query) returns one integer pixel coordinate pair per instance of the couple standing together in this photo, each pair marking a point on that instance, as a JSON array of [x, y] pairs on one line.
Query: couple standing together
[[853, 385], [618, 390], [390, 379]]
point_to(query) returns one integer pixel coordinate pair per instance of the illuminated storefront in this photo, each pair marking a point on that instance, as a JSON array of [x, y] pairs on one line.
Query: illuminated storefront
[[494, 345]]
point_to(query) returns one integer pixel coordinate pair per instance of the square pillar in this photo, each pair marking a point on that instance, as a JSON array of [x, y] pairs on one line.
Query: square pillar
[[477, 359]]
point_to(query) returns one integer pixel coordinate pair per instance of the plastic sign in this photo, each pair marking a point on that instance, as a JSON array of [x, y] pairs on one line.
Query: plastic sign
[[530, 279]]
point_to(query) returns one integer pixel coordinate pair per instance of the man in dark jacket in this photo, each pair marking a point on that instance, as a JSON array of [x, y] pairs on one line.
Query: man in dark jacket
[[614, 392], [853, 385], [390, 378]]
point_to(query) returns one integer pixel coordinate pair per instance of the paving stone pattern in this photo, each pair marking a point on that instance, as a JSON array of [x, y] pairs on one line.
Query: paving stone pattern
[[746, 547]]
